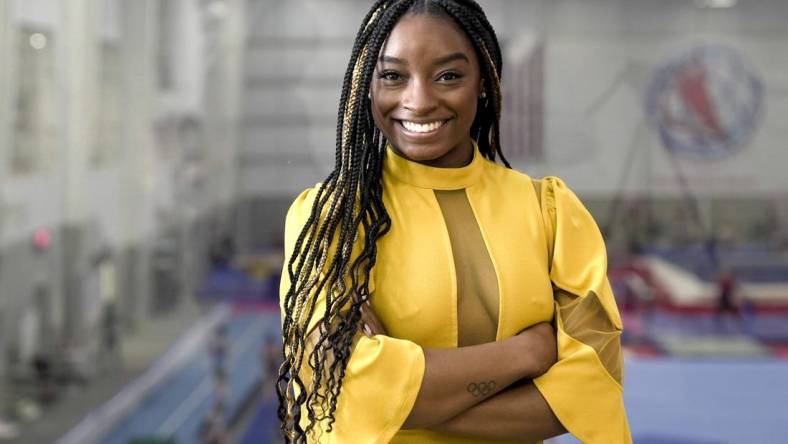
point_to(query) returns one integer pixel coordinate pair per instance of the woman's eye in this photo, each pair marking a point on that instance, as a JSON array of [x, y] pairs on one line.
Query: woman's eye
[[389, 75], [449, 76]]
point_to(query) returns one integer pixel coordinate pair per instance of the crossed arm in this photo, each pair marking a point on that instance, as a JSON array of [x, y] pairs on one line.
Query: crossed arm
[[484, 391]]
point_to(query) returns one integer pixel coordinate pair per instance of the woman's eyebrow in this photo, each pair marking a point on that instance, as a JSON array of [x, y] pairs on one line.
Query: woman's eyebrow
[[441, 61], [450, 58], [390, 59]]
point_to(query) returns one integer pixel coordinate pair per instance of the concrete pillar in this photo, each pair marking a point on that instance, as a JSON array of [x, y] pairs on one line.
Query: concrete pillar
[[5, 139], [76, 57], [226, 94], [9, 56], [78, 68], [137, 53], [223, 104]]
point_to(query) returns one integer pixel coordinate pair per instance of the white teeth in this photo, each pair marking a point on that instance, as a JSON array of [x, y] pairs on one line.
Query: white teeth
[[422, 127]]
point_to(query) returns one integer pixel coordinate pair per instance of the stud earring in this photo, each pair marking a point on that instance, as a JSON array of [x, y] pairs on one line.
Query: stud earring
[[483, 95]]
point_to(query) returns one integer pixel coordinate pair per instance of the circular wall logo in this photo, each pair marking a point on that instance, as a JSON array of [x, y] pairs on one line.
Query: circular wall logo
[[705, 103]]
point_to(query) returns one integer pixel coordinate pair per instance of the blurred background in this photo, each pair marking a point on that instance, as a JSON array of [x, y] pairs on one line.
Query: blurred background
[[149, 150]]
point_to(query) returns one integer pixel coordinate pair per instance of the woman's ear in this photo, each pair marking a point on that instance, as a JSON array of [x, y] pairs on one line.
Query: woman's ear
[[482, 92]]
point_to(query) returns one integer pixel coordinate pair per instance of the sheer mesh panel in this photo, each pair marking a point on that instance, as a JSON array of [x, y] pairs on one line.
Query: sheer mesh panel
[[586, 320], [477, 283]]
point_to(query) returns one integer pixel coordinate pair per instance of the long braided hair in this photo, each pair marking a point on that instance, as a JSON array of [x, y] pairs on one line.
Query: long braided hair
[[348, 210]]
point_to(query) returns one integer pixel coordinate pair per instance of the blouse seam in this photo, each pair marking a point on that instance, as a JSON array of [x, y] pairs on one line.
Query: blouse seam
[[537, 185], [548, 200]]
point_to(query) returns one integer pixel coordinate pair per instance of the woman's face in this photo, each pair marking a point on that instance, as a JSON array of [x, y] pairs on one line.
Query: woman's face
[[425, 91]]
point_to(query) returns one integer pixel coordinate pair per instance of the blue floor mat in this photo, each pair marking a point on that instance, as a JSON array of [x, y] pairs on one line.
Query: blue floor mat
[[178, 407]]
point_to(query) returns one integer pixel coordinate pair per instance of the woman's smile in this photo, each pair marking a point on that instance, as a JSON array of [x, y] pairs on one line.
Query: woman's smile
[[422, 128], [421, 132]]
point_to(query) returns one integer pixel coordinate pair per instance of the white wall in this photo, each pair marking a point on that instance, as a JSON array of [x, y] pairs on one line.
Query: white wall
[[120, 202], [123, 194]]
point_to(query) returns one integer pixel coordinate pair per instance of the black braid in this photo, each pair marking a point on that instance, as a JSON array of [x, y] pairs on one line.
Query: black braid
[[348, 210]]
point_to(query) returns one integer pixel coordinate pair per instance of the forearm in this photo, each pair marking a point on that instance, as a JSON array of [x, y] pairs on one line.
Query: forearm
[[452, 378], [456, 379], [517, 413]]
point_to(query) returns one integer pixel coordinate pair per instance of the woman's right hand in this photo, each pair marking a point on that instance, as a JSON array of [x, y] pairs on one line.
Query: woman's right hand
[[370, 324], [541, 347]]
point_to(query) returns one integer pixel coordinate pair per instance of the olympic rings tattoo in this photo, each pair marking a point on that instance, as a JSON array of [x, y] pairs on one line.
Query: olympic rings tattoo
[[481, 388]]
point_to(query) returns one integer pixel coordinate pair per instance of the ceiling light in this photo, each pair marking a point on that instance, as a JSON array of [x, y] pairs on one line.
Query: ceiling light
[[38, 40]]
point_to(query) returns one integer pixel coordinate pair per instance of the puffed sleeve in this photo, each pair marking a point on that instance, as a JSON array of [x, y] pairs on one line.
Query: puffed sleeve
[[584, 388], [383, 375]]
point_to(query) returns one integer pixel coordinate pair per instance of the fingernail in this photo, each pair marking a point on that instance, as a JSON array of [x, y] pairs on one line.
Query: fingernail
[[367, 330]]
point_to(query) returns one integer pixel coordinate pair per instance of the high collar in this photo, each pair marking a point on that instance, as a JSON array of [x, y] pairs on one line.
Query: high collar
[[424, 176]]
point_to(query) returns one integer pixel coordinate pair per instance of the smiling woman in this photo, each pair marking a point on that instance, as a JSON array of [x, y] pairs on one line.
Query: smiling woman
[[432, 295]]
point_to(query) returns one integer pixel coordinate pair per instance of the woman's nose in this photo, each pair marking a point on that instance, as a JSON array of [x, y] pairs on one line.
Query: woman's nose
[[419, 98]]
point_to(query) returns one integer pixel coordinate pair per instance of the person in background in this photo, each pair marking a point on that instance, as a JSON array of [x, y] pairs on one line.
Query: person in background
[[727, 299], [219, 348]]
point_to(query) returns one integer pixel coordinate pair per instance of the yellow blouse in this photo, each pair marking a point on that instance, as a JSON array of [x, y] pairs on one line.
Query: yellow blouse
[[475, 255]]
